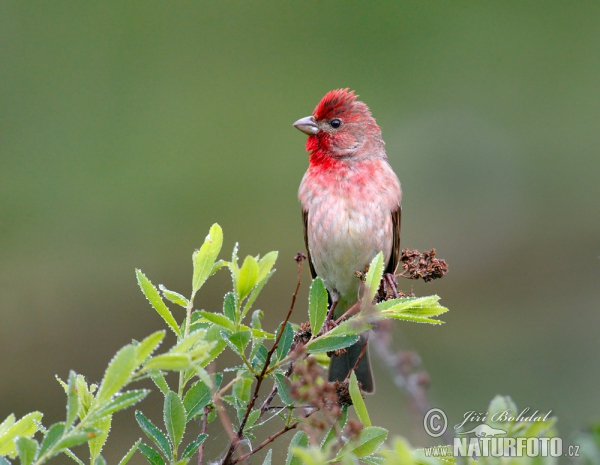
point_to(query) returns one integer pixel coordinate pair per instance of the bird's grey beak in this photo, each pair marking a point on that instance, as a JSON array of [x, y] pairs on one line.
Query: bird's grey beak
[[307, 125]]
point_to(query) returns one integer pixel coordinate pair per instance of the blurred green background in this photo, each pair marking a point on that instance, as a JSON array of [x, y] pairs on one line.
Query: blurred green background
[[127, 129]]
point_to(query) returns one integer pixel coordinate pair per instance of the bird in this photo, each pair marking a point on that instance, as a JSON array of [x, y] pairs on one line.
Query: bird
[[351, 210]]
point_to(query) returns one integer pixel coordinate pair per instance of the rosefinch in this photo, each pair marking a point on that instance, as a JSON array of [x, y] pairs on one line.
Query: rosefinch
[[351, 209]]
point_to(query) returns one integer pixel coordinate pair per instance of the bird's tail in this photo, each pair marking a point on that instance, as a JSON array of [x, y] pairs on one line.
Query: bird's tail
[[341, 365]]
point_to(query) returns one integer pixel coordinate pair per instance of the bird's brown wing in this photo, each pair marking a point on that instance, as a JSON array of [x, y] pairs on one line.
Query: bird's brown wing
[[305, 227], [395, 255]]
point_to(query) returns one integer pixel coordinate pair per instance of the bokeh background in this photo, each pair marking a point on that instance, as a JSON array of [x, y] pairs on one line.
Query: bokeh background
[[128, 128]]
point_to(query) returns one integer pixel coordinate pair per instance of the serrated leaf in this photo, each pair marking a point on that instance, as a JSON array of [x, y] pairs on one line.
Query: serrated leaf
[[285, 342], [204, 259], [247, 277], [416, 309], [120, 402], [188, 342], [174, 416], [10, 420], [154, 433], [148, 345], [283, 388], [51, 437], [257, 315], [354, 325], [27, 448], [229, 307], [174, 297], [72, 399], [130, 453], [156, 301], [160, 381], [173, 362], [238, 341], [252, 418], [151, 455], [254, 294], [118, 373], [370, 439], [196, 398], [265, 264], [373, 278], [218, 319], [328, 344], [300, 439], [25, 427], [214, 352], [358, 401], [75, 439], [317, 305], [241, 390], [98, 442], [193, 446], [267, 460], [72, 456]]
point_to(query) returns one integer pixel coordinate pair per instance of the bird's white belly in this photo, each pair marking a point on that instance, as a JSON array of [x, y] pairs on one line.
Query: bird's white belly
[[346, 241]]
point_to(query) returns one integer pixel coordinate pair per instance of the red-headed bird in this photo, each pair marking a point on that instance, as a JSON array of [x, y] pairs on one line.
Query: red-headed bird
[[351, 209]]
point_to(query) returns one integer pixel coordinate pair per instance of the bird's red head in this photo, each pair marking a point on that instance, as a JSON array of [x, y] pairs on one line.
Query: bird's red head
[[341, 127]]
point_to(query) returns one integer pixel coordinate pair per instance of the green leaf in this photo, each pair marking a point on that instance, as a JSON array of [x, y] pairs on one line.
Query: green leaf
[[148, 345], [317, 306], [154, 433], [25, 427], [214, 352], [254, 294], [69, 454], [27, 448], [229, 306], [172, 362], [247, 278], [118, 373], [358, 401], [196, 398], [329, 343], [417, 309], [52, 436], [130, 453], [356, 325], [238, 341], [160, 381], [74, 439], [257, 315], [285, 342], [370, 439], [155, 300], [97, 443], [204, 259], [10, 420], [283, 388], [218, 319], [265, 264], [300, 439], [174, 416], [332, 434], [72, 399], [151, 455], [241, 389], [120, 402], [193, 446], [373, 278], [174, 297], [188, 342], [267, 460]]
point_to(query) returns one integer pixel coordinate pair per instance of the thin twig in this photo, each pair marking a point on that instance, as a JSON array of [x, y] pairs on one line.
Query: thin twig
[[266, 442], [203, 431], [360, 356]]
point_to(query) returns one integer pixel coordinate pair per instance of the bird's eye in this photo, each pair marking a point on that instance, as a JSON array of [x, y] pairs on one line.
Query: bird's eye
[[335, 123]]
